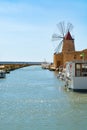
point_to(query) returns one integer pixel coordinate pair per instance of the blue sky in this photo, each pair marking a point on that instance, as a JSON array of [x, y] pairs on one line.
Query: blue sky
[[26, 27]]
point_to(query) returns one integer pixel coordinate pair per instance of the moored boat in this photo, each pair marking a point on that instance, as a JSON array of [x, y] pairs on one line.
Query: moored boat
[[2, 73], [45, 65], [76, 75]]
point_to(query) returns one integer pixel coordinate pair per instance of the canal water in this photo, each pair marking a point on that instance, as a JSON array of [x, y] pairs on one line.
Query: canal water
[[34, 99]]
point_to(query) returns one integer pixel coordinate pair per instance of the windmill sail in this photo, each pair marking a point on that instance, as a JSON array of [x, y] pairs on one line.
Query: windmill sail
[[58, 48], [61, 37], [56, 37]]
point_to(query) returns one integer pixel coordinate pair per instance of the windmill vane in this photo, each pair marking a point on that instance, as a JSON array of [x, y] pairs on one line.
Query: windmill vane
[[63, 31]]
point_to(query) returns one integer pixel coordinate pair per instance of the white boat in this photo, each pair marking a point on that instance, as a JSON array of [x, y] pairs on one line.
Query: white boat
[[2, 74], [45, 65], [76, 75]]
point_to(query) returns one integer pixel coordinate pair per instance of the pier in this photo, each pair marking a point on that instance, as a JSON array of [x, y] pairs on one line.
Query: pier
[[12, 65], [19, 62]]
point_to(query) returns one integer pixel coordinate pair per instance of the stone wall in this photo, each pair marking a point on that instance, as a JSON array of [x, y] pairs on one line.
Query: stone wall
[[68, 45], [63, 57], [58, 59]]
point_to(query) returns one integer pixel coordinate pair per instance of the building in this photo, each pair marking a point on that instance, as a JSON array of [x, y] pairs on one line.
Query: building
[[68, 52]]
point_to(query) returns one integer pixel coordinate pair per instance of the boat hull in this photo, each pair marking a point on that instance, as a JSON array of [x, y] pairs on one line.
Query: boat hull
[[2, 74], [78, 84]]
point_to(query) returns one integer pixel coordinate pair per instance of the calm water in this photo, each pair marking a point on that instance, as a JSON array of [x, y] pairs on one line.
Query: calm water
[[34, 99]]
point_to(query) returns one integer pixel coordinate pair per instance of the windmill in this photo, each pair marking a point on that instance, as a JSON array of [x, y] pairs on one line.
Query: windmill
[[60, 37]]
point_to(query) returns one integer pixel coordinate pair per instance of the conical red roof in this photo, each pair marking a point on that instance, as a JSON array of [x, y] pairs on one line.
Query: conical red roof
[[68, 36]]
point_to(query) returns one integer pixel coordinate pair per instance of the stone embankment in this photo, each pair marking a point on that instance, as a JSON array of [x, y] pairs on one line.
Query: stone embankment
[[11, 67]]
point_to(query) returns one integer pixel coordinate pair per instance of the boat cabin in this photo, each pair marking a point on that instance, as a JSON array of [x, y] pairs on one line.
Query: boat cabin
[[76, 69], [81, 69], [76, 72]]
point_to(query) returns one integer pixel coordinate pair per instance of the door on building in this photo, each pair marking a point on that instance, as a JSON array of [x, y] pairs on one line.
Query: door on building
[[58, 63]]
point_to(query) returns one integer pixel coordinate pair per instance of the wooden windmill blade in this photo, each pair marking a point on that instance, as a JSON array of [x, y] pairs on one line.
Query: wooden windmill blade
[[61, 27], [56, 37], [69, 27], [58, 48]]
